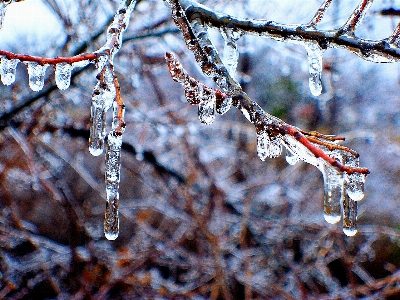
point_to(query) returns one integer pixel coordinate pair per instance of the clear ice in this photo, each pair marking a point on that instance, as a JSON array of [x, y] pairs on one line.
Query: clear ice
[[7, 70], [102, 99], [268, 146], [231, 53], [354, 182], [36, 73], [263, 143], [63, 75], [112, 176], [333, 191], [315, 53], [349, 215]]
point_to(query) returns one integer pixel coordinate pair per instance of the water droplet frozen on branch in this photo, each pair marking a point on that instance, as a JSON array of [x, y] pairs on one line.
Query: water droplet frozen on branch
[[207, 107], [7, 70], [36, 73], [63, 75], [315, 53]]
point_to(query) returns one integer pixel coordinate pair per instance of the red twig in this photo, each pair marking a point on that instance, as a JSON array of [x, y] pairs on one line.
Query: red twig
[[292, 131], [51, 61]]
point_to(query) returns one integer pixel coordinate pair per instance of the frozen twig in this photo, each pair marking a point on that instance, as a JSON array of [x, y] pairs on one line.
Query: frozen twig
[[320, 13]]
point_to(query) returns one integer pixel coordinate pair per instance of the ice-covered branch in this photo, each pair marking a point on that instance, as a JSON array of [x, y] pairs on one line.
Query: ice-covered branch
[[320, 13], [356, 18], [372, 50], [339, 164]]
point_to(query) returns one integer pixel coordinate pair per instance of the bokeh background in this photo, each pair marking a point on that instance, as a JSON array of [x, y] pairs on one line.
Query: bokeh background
[[201, 216]]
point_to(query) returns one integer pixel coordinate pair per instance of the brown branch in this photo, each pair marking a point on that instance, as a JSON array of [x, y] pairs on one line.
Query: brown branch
[[121, 108]]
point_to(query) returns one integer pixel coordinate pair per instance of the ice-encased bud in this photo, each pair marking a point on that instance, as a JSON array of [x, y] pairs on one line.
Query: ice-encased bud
[[314, 54]]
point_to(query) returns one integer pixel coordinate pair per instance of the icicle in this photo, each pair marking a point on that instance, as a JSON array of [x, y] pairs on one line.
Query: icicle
[[263, 144], [333, 191], [349, 215], [63, 75], [102, 99], [231, 53], [112, 176], [354, 182], [36, 75], [207, 107], [7, 70], [97, 128], [3, 5], [268, 146], [315, 53]]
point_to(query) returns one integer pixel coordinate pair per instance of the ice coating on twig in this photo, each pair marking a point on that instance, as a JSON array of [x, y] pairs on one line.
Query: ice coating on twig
[[314, 55], [63, 75], [356, 17], [7, 70], [197, 93], [292, 159], [36, 73]]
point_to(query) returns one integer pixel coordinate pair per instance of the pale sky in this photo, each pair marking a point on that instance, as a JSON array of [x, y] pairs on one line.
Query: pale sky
[[29, 21]]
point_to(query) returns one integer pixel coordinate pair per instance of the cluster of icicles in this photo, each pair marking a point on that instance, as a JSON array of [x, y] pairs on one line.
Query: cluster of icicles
[[103, 98], [36, 72], [341, 190]]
